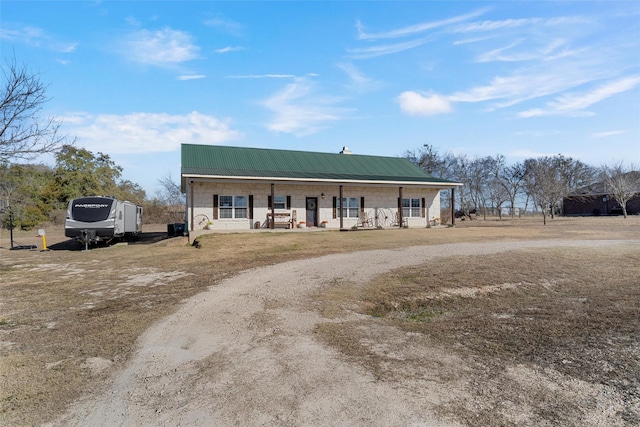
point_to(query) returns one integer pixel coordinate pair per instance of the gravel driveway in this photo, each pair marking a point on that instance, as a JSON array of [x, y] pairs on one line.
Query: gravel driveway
[[244, 353]]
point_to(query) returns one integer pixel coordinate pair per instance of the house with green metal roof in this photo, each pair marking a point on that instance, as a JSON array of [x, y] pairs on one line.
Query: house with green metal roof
[[248, 188]]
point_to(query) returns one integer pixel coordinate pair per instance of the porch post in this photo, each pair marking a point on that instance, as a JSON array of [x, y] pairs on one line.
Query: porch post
[[273, 207], [341, 207], [400, 208], [190, 184], [453, 206]]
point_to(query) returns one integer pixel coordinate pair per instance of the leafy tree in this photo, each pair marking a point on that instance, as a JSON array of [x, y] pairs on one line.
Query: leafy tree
[[23, 133], [80, 173], [127, 190], [20, 188], [623, 183]]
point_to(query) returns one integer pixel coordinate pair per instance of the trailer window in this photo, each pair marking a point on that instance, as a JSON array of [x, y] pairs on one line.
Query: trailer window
[[91, 209]]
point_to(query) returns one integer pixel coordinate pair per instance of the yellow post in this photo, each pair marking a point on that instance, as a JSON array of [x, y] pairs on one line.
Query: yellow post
[[42, 234]]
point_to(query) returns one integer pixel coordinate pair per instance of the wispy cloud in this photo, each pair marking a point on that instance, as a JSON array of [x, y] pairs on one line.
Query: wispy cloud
[[530, 50], [191, 77], [511, 90], [526, 39], [386, 49], [161, 47], [526, 153], [413, 29], [225, 25], [359, 82], [299, 110], [489, 25], [553, 49], [472, 40], [539, 133], [505, 24], [264, 76], [410, 32], [229, 49], [132, 21], [607, 134], [146, 132], [576, 104], [553, 61], [536, 81], [419, 104], [499, 54], [35, 37]]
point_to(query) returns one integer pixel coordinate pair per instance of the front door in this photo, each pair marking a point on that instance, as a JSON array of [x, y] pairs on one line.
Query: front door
[[312, 211]]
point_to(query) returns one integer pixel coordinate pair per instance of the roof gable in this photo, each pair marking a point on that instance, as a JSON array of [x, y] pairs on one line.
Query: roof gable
[[223, 161]]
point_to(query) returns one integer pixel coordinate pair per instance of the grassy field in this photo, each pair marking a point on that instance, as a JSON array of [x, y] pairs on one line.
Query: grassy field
[[575, 312]]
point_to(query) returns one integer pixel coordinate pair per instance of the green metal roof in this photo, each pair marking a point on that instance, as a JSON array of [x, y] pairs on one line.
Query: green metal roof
[[223, 161]]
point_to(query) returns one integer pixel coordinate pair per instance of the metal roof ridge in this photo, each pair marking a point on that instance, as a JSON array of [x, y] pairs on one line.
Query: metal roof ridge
[[292, 151]]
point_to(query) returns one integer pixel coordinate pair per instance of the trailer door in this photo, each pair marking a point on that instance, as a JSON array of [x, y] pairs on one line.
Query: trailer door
[[130, 218], [118, 221]]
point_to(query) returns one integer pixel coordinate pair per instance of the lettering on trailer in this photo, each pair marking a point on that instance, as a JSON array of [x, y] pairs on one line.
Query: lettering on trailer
[[91, 205]]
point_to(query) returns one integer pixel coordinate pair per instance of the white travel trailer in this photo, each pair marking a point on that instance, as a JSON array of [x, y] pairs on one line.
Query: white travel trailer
[[102, 219]]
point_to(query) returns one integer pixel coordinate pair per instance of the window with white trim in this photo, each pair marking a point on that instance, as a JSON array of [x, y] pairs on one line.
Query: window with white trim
[[410, 208], [351, 207], [233, 207]]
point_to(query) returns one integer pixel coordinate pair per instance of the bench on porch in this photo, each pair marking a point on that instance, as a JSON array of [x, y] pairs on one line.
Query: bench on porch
[[281, 220]]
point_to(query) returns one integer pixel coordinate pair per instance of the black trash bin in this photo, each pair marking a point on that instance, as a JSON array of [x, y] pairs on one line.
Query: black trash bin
[[178, 228]]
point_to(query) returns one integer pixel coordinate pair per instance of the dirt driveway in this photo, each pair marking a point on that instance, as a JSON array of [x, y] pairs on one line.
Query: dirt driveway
[[245, 353]]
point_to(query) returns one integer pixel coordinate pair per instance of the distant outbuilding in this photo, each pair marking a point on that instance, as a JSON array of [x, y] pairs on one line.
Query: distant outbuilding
[[597, 199]]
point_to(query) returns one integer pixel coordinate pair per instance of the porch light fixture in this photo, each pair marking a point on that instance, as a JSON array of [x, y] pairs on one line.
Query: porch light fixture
[[322, 195]]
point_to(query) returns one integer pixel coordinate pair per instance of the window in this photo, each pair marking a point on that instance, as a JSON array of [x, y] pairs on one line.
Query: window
[[410, 208], [233, 207], [279, 202], [351, 207]]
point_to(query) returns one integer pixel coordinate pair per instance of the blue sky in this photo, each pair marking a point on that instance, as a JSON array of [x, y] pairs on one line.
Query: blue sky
[[135, 79]]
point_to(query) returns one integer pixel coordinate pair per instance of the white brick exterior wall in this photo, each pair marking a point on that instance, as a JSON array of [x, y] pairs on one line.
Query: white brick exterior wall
[[380, 200]]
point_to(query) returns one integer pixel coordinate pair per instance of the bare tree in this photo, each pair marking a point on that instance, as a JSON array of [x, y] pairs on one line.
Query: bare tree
[[541, 183], [549, 179], [511, 179], [429, 160], [23, 133], [170, 195], [498, 193], [477, 175], [435, 164], [623, 183], [460, 169]]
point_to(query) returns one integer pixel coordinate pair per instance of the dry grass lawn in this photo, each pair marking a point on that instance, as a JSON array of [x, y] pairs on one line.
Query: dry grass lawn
[[69, 318], [576, 314]]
